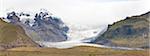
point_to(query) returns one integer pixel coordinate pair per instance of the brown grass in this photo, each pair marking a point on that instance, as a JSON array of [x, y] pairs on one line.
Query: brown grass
[[76, 51]]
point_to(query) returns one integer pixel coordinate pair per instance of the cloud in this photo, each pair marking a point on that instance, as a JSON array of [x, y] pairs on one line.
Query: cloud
[[84, 12]]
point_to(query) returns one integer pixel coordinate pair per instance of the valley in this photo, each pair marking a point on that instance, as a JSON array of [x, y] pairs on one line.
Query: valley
[[49, 36]]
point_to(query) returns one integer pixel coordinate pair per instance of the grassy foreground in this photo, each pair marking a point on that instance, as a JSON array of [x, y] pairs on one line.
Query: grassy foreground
[[76, 51]]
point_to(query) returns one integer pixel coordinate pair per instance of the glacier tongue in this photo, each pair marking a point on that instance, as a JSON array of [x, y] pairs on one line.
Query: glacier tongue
[[53, 29], [76, 35]]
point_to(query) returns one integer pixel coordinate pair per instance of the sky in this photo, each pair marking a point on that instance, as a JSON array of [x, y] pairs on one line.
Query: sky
[[81, 12]]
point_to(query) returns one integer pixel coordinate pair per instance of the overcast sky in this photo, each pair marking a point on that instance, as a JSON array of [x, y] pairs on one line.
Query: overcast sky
[[84, 12]]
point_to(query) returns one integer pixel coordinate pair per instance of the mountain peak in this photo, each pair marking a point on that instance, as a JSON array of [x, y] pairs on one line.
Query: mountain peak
[[44, 26]]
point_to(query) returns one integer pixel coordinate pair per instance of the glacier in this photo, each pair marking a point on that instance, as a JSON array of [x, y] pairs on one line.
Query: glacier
[[77, 35]]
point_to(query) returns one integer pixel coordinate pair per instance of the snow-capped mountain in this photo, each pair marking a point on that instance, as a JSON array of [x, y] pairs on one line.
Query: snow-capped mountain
[[47, 29], [40, 27], [50, 31]]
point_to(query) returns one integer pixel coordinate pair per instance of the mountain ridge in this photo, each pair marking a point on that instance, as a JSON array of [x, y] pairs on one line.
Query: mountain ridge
[[42, 27], [130, 32]]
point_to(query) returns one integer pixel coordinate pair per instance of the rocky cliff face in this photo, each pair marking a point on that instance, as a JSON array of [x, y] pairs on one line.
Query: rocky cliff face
[[42, 27], [130, 32], [14, 36]]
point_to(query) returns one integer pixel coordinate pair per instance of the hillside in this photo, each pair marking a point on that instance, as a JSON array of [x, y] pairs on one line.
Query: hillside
[[130, 32], [13, 36]]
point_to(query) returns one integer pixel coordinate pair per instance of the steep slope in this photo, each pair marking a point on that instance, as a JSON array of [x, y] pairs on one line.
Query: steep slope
[[130, 32], [13, 36]]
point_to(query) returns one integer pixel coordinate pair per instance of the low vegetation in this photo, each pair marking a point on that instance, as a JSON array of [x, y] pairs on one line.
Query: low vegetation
[[76, 51]]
